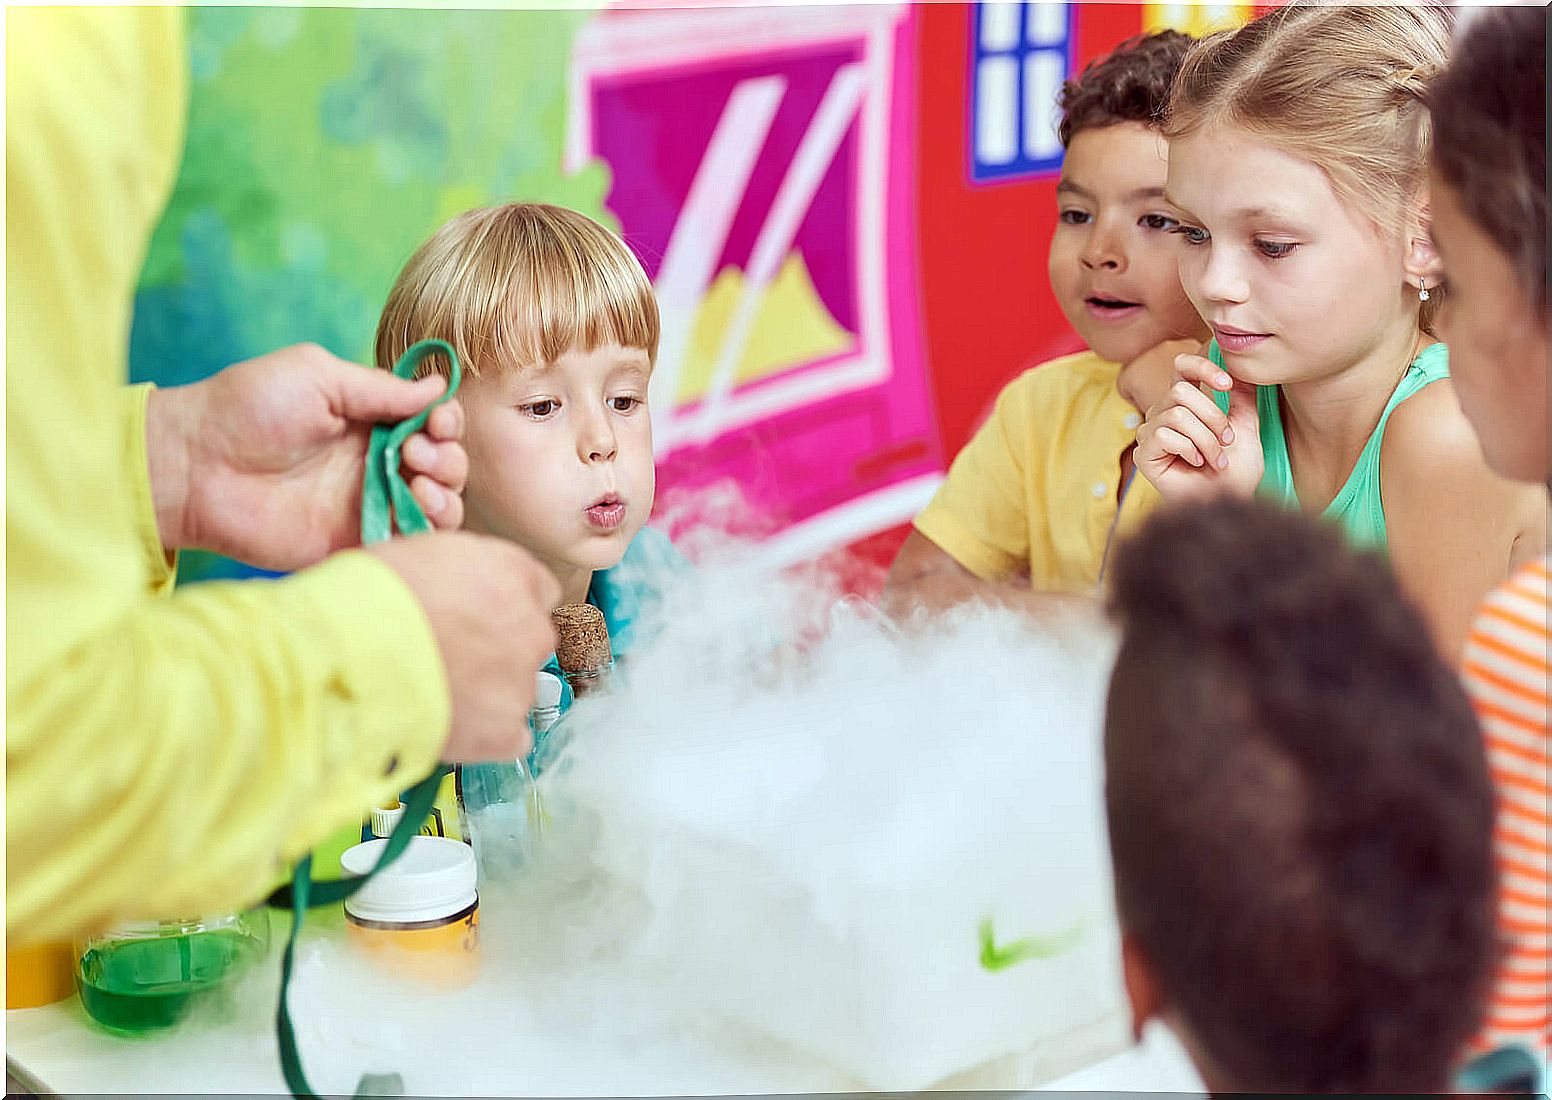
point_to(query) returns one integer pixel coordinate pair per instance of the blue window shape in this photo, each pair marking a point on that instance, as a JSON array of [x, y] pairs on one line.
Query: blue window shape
[[1020, 56]]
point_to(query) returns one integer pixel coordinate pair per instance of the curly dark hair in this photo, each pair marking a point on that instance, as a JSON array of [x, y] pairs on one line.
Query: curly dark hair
[[1129, 84], [1299, 805], [1490, 134]]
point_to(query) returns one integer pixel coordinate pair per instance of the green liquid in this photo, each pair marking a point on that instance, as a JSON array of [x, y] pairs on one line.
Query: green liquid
[[136, 985]]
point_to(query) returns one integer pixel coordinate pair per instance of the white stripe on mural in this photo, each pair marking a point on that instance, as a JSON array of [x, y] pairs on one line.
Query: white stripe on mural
[[701, 231], [809, 164]]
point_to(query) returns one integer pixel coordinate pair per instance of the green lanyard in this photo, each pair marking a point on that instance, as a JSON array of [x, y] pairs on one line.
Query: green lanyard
[[385, 498]]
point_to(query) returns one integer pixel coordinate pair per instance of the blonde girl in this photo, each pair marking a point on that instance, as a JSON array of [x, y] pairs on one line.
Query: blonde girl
[[1298, 163]]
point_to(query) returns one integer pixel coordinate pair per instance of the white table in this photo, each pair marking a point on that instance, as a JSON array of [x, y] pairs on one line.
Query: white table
[[60, 1048]]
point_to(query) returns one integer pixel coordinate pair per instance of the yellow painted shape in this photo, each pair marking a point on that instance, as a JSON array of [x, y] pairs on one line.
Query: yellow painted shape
[[791, 327], [1197, 19]]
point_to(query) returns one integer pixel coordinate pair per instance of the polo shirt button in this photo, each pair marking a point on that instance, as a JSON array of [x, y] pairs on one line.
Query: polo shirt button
[[1132, 421], [1099, 490]]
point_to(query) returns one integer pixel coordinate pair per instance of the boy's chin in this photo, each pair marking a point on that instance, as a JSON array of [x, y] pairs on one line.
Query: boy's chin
[[1118, 347], [1116, 343], [603, 551]]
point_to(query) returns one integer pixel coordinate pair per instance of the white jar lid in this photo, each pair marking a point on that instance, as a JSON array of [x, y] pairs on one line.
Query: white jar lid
[[433, 878]]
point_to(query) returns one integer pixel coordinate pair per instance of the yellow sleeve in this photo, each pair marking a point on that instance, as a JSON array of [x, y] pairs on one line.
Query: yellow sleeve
[[980, 515], [161, 564], [163, 756]]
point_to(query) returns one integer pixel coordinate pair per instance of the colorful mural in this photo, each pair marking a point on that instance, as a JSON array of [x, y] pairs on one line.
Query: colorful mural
[[844, 210]]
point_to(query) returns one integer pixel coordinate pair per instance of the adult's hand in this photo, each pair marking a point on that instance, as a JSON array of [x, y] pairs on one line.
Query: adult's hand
[[264, 461], [488, 602]]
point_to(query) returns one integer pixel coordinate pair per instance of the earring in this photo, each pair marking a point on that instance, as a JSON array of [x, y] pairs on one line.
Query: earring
[[1422, 289]]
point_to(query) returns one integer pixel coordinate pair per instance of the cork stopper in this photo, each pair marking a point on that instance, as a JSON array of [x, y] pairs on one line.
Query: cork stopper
[[582, 644]]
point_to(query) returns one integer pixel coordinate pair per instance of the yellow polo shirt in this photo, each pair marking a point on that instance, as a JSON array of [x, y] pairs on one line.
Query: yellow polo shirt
[[166, 754], [1035, 491]]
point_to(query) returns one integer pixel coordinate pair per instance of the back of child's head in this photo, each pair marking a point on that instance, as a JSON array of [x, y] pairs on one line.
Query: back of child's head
[[1299, 806], [1129, 84], [516, 286], [1342, 87], [1490, 143]]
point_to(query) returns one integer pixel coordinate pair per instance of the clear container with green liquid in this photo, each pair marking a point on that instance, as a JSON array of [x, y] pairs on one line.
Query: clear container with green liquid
[[146, 976]]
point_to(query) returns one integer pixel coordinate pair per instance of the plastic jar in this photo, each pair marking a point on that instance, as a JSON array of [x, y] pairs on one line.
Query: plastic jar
[[421, 914]]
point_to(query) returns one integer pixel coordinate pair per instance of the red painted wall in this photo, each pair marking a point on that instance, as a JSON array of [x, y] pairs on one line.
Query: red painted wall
[[987, 309], [986, 303]]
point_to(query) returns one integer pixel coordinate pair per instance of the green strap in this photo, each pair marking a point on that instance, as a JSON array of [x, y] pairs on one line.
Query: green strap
[[386, 502], [384, 486]]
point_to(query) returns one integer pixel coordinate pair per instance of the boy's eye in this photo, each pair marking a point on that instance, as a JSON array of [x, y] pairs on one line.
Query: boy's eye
[[1162, 222], [625, 404], [1276, 250], [540, 409], [1073, 217], [1193, 234]]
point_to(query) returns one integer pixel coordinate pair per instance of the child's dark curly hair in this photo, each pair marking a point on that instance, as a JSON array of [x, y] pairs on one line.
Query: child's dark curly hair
[[1299, 805], [1130, 84], [1490, 134]]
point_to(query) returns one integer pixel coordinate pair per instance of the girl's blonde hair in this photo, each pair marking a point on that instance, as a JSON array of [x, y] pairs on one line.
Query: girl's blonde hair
[[1342, 87], [517, 286]]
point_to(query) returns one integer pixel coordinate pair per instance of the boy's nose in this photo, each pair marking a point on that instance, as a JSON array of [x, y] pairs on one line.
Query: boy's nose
[[1101, 253], [597, 444]]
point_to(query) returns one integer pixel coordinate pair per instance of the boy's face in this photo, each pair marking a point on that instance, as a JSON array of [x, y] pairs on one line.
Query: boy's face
[[1113, 259], [1498, 344], [560, 458]]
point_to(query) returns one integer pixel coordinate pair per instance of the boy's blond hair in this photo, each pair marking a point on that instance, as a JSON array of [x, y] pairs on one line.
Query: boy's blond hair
[[1342, 87], [518, 286]]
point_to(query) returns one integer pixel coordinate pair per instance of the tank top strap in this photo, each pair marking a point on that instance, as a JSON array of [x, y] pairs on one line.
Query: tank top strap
[[1359, 505]]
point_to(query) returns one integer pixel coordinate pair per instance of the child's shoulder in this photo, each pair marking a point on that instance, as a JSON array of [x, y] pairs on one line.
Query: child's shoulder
[[653, 551], [1070, 379]]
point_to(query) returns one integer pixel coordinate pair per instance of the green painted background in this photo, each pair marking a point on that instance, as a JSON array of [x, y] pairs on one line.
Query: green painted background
[[323, 146]]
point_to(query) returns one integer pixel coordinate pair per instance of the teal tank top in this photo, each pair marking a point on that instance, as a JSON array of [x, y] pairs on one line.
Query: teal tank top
[[1358, 507]]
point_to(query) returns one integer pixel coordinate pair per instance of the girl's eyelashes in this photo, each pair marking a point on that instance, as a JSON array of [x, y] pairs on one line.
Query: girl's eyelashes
[[1162, 222], [1275, 250], [1074, 217], [1193, 234]]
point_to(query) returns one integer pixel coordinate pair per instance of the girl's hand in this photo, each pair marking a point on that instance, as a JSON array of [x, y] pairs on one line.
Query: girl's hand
[[1189, 449]]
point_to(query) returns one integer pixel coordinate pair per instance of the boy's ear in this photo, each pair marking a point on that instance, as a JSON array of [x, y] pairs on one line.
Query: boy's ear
[[1422, 258], [1142, 985]]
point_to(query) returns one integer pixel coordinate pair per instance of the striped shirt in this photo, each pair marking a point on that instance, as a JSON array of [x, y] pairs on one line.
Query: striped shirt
[[1506, 672]]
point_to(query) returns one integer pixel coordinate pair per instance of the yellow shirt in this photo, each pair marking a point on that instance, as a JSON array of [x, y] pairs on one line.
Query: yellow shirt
[[1035, 490], [163, 756]]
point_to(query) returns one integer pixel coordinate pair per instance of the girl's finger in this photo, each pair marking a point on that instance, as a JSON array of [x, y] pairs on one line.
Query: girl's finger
[[1194, 368], [1183, 421], [1204, 408], [1172, 442]]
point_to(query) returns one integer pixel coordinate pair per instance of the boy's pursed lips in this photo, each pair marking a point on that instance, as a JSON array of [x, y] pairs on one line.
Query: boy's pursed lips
[[607, 512]]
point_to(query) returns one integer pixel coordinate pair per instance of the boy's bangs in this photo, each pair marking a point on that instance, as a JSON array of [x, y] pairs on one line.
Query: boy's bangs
[[577, 293]]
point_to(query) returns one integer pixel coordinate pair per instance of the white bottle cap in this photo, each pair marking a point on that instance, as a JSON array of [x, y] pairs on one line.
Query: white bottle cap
[[384, 821], [547, 690]]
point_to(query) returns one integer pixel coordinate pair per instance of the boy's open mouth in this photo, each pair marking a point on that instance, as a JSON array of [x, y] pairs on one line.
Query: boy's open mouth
[[1107, 308]]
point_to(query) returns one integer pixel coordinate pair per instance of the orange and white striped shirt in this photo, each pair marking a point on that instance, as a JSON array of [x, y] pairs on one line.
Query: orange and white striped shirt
[[1506, 672]]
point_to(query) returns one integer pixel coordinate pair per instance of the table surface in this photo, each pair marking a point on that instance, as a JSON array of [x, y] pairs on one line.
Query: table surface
[[60, 1048]]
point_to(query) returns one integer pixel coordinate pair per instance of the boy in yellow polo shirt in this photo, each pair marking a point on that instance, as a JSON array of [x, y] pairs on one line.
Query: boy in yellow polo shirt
[[1035, 500]]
